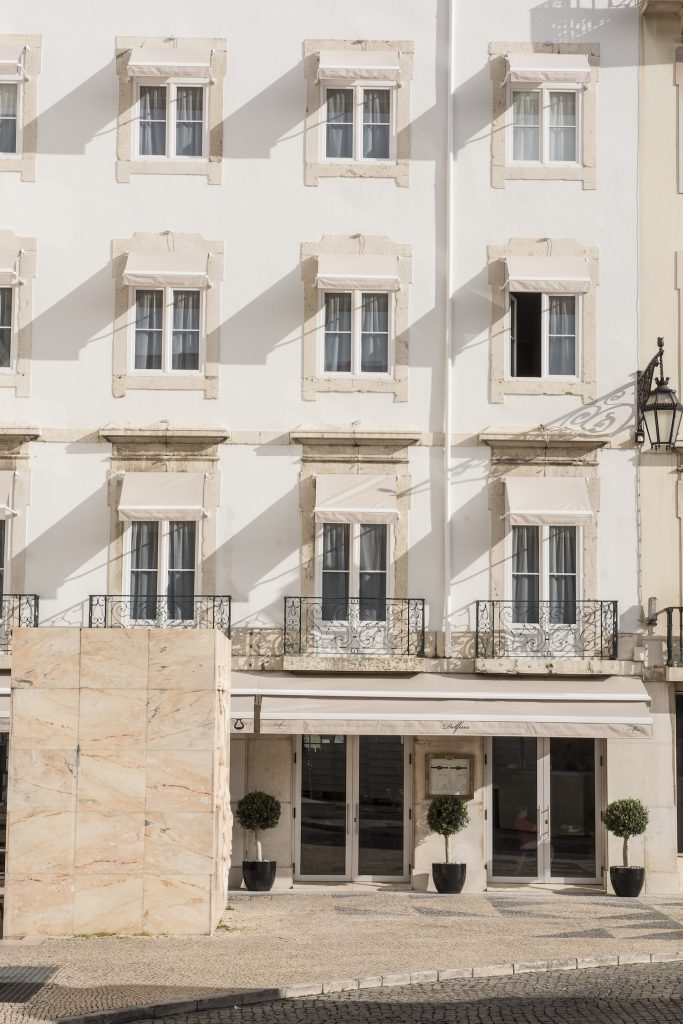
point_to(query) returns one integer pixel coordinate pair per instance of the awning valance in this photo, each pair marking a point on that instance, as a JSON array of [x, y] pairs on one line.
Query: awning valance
[[430, 705], [162, 496], [345, 272], [11, 62], [6, 494], [540, 500], [169, 62], [537, 68], [350, 498], [549, 274], [181, 269], [9, 276], [359, 66]]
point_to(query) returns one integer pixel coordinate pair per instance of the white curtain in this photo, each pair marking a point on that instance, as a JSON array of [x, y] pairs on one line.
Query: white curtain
[[562, 573], [338, 332], [562, 126], [526, 132], [336, 565], [181, 570], [2, 558], [189, 120], [144, 563], [5, 325], [372, 583], [374, 357], [149, 311], [8, 118], [339, 123], [562, 335], [376, 118], [153, 120], [185, 339], [525, 573]]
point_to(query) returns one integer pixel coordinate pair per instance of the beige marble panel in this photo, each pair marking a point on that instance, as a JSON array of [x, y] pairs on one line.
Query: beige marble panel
[[223, 649], [180, 720], [39, 905], [40, 842], [113, 720], [112, 783], [177, 905], [42, 780], [180, 780], [179, 844], [111, 903], [46, 657], [109, 845], [114, 659], [47, 718], [181, 659]]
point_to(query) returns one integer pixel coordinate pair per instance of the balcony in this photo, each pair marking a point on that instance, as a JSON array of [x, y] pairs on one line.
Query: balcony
[[354, 627], [16, 610], [204, 611], [552, 630]]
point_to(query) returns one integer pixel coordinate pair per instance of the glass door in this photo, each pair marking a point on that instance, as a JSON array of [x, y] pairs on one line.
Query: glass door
[[323, 811], [379, 811]]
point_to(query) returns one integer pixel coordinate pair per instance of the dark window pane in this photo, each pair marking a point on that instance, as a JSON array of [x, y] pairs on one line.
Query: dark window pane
[[526, 346]]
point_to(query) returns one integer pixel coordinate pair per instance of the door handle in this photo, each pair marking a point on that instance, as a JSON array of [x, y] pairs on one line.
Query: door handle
[[347, 819], [356, 820]]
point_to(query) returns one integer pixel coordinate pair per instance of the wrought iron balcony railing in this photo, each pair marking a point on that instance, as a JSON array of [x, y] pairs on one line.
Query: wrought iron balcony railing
[[16, 610], [547, 629], [674, 635], [204, 611], [354, 625]]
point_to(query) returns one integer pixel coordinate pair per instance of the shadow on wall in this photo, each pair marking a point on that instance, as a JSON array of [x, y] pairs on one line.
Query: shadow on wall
[[85, 113], [588, 21], [612, 413], [272, 116], [82, 316]]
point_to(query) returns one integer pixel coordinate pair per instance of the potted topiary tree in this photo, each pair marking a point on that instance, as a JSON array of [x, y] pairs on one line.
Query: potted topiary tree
[[257, 812], [626, 818], [446, 816]]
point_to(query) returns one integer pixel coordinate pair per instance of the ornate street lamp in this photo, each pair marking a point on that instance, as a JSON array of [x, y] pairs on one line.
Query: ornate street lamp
[[658, 409]]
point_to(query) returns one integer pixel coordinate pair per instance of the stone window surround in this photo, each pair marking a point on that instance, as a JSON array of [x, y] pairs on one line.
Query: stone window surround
[[15, 457], [316, 168], [501, 169], [501, 384], [24, 163], [127, 163], [125, 379], [157, 450], [371, 245], [18, 375]]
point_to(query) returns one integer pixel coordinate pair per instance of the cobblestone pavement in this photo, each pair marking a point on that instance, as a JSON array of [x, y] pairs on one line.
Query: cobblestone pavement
[[276, 940], [643, 995]]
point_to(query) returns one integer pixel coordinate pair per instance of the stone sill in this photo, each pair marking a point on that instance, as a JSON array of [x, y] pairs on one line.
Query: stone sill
[[556, 666], [355, 663], [674, 674]]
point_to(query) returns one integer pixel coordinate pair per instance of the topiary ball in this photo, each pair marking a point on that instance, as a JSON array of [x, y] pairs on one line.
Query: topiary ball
[[447, 815], [626, 818], [258, 811]]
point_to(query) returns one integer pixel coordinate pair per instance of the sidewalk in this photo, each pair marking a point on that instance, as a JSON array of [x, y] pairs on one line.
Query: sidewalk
[[279, 940]]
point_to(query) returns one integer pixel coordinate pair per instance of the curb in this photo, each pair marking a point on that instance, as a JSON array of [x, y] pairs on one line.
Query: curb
[[317, 988]]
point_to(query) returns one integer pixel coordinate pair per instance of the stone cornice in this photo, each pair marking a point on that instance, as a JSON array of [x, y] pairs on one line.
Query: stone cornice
[[158, 433], [542, 437], [354, 436]]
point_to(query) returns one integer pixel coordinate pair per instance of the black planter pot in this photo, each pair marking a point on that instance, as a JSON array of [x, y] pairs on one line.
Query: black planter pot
[[259, 875], [627, 881], [449, 877]]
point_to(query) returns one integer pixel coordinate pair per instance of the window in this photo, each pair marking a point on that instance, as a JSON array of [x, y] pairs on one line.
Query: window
[[358, 124], [167, 329], [354, 571], [6, 328], [2, 558], [543, 335], [171, 120], [545, 126], [162, 571], [544, 569], [356, 329], [9, 112]]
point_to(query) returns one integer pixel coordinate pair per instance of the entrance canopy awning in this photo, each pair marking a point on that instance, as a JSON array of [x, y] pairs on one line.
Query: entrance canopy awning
[[350, 498], [162, 496], [438, 705], [6, 490], [11, 62], [359, 65], [550, 274], [184, 269], [8, 268], [547, 500], [169, 62], [348, 271], [537, 68]]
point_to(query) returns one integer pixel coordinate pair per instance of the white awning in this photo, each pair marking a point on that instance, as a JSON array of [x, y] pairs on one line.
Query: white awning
[[6, 494], [549, 274], [367, 273], [11, 62], [350, 498], [438, 705], [169, 62], [167, 496], [8, 268], [359, 65], [186, 268], [537, 68], [537, 500]]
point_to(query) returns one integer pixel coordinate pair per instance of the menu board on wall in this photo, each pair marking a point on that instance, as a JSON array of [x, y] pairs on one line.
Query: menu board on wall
[[450, 775]]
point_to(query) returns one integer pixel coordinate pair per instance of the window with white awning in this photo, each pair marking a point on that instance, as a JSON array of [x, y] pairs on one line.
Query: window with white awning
[[541, 500], [349, 272], [350, 498], [359, 66], [6, 494], [550, 274], [177, 497], [164, 269], [170, 62], [540, 68], [12, 62]]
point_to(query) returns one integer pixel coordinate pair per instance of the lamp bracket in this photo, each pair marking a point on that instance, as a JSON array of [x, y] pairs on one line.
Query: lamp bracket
[[645, 377]]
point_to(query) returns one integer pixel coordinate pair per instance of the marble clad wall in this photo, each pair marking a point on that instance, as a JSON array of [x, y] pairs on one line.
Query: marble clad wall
[[118, 812]]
